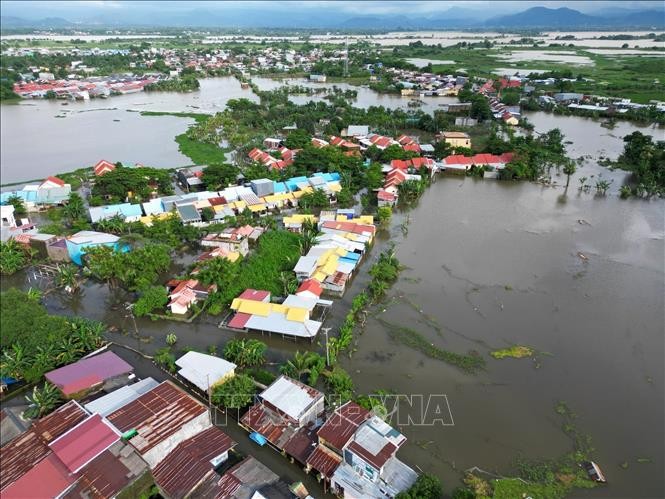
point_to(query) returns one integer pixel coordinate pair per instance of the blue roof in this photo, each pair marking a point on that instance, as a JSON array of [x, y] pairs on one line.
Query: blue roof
[[348, 260], [258, 438], [350, 255], [280, 187], [27, 196], [131, 210], [293, 182]]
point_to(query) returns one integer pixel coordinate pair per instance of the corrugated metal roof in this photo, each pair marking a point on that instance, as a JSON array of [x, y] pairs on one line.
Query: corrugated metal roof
[[204, 370], [103, 366], [156, 415], [21, 454], [290, 396], [84, 442], [122, 396], [342, 424], [324, 461], [190, 462]]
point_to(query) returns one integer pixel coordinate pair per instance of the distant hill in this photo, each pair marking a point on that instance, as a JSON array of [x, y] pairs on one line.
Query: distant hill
[[544, 17], [329, 18]]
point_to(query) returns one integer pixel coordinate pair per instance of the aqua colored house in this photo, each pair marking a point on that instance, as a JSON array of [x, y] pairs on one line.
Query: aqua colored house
[[79, 242]]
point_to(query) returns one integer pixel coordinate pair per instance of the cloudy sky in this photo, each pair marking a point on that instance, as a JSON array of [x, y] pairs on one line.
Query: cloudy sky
[[71, 9]]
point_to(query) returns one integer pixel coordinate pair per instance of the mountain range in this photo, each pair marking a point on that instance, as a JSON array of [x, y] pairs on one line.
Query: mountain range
[[456, 17]]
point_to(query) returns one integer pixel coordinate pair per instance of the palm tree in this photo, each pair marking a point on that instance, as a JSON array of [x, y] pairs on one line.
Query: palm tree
[[75, 207], [569, 169], [69, 349], [14, 362], [245, 353], [289, 282], [43, 401]]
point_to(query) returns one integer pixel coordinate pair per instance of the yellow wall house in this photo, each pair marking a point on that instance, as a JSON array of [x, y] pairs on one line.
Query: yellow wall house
[[456, 139]]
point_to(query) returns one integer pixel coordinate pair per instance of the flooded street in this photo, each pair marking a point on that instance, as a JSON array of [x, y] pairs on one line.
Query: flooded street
[[488, 265]]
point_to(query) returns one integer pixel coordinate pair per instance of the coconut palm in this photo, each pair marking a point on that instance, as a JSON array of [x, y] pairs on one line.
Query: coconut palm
[[75, 207], [42, 401], [245, 353], [569, 169]]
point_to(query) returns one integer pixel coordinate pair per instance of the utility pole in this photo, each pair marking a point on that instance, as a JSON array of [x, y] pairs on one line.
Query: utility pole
[[325, 331]]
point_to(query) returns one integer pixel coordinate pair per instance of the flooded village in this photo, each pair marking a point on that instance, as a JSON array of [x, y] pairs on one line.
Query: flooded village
[[405, 284]]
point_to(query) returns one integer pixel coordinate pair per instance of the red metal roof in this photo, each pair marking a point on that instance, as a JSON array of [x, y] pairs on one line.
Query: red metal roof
[[383, 195], [54, 180], [107, 474], [377, 460], [268, 423], [49, 478], [156, 415], [239, 320], [84, 442], [342, 424], [349, 227], [254, 294], [324, 461], [301, 444], [399, 164], [311, 285], [189, 462], [103, 167], [83, 383], [21, 454], [103, 366]]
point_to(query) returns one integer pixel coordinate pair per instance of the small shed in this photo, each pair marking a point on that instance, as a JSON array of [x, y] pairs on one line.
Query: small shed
[[205, 371]]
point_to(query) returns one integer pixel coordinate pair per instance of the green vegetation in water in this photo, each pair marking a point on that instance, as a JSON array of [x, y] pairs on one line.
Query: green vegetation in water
[[516, 352], [187, 83], [34, 342], [470, 363]]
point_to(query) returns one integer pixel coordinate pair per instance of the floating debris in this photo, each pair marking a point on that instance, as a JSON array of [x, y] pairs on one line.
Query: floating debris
[[516, 352], [582, 256]]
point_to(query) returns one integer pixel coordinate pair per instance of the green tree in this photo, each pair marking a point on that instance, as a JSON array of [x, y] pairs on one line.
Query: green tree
[[218, 177], [150, 299], [315, 199], [384, 214], [340, 383], [245, 353], [75, 207], [298, 139], [67, 277], [12, 257], [165, 358], [480, 108], [427, 486], [171, 339], [235, 393], [18, 204], [42, 401], [569, 169]]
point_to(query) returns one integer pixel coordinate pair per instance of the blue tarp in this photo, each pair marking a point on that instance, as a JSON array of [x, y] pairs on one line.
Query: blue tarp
[[258, 438]]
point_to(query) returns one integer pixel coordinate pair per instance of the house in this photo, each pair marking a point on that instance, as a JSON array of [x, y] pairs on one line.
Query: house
[[356, 131], [317, 78], [183, 293], [79, 242], [52, 183], [23, 454], [120, 397], [319, 143], [90, 374], [204, 371], [232, 239], [126, 211], [253, 311], [70, 454], [333, 436], [386, 198], [159, 420], [455, 139], [285, 415], [245, 480], [192, 462], [310, 288], [370, 467], [272, 144], [188, 213], [190, 178], [103, 167]]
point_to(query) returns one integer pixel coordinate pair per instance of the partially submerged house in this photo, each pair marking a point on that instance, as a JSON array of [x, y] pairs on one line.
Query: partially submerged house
[[183, 293], [254, 312], [102, 371], [78, 243], [455, 139]]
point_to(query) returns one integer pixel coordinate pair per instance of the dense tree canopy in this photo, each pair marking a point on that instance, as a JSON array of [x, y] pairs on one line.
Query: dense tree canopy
[[134, 183]]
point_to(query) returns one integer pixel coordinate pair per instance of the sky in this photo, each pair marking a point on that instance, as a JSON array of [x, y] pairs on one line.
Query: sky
[[81, 9]]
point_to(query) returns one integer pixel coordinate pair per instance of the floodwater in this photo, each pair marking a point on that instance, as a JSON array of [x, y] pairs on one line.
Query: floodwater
[[490, 264], [41, 137], [541, 55], [366, 97]]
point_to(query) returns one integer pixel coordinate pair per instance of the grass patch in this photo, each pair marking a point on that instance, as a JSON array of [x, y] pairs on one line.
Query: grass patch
[[516, 352], [470, 363], [199, 117], [201, 153]]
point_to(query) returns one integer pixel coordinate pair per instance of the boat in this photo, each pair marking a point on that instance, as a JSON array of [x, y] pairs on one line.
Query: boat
[[594, 472]]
